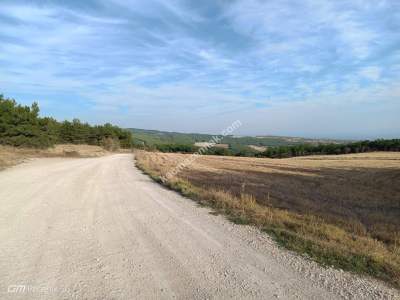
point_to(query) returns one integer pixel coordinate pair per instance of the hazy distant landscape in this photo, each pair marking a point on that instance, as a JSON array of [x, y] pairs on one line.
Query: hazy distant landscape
[[253, 146], [153, 137], [233, 145]]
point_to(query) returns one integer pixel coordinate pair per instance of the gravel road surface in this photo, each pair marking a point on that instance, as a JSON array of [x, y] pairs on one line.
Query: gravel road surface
[[98, 228]]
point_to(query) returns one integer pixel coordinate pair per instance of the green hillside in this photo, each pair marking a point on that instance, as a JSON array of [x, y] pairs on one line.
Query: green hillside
[[155, 137]]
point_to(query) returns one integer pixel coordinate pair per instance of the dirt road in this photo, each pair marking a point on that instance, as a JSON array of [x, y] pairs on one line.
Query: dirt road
[[98, 228]]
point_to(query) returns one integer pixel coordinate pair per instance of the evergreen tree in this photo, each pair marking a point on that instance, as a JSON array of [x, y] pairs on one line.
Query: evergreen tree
[[21, 126]]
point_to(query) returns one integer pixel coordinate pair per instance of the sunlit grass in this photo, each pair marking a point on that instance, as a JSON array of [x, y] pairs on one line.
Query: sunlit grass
[[348, 246]]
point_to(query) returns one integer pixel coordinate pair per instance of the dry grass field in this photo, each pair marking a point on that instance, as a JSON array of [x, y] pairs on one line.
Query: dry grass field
[[10, 156], [341, 210]]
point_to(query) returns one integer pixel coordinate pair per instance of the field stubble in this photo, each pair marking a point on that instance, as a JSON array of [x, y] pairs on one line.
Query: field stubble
[[340, 210]]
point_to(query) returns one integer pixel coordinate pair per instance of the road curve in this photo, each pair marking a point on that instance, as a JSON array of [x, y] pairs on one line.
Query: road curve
[[98, 228]]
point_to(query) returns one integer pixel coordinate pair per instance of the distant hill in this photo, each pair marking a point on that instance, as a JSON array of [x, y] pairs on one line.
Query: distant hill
[[156, 137]]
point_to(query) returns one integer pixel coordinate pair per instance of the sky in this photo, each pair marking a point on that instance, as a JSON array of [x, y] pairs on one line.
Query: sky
[[311, 68]]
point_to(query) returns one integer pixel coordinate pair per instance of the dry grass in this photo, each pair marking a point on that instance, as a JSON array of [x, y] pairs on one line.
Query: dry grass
[[10, 156], [340, 210]]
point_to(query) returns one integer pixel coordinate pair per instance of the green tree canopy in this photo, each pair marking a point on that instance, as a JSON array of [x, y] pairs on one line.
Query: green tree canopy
[[21, 126]]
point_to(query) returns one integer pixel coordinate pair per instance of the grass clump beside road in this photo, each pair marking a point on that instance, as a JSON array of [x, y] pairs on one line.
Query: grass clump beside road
[[323, 241]]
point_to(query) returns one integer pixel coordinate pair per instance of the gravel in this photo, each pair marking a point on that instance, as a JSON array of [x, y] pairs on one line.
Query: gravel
[[98, 228]]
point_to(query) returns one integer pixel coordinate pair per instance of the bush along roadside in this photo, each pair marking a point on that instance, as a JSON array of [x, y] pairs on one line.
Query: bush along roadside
[[325, 243]]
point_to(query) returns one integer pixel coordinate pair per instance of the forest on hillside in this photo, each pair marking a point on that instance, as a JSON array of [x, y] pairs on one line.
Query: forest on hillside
[[331, 149], [276, 147], [155, 138], [21, 126], [286, 151]]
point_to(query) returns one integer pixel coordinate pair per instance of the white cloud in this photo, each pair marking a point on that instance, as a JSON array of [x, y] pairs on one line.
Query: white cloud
[[371, 73], [299, 25], [163, 59]]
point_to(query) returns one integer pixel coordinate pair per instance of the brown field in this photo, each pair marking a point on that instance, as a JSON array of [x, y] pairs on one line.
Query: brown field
[[341, 210], [10, 156]]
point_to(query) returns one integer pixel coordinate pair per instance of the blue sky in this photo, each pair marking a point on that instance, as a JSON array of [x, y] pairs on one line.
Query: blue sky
[[310, 68]]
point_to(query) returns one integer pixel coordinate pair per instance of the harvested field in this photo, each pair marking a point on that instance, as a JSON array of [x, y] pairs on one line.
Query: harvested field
[[357, 196]]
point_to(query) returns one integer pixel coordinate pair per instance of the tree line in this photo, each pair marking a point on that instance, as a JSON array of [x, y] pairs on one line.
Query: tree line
[[282, 151], [331, 149], [21, 126], [233, 150]]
